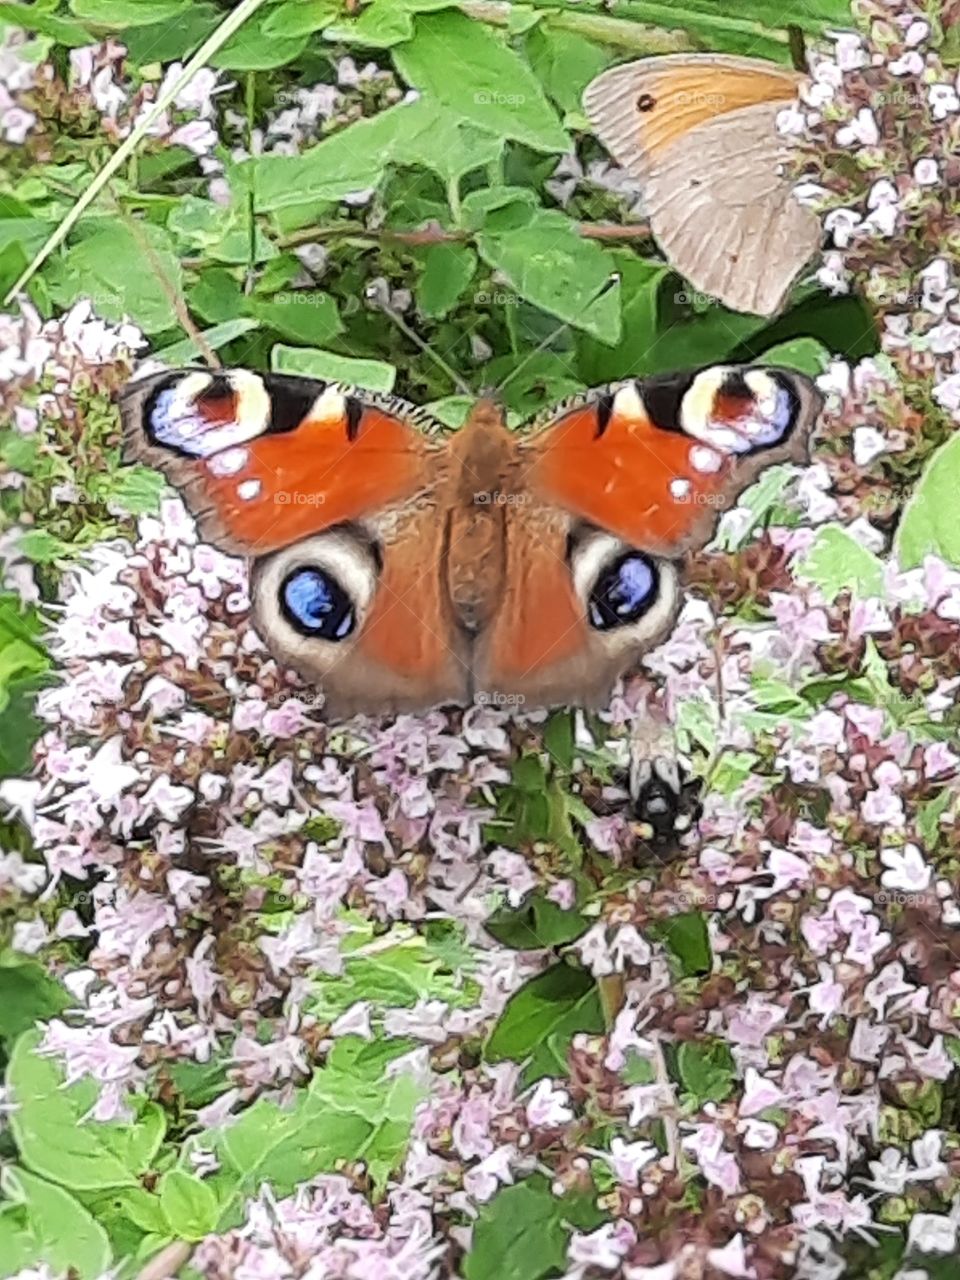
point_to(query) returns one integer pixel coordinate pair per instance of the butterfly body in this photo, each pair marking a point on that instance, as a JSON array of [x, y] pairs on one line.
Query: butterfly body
[[400, 567]]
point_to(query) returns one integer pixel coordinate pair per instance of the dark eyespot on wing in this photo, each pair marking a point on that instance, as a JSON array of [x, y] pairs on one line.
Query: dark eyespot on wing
[[315, 604], [624, 592]]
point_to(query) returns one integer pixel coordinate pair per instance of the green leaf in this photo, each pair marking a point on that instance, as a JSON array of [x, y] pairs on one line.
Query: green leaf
[[467, 67], [54, 1139], [706, 1071], [350, 160], [523, 1232], [109, 268], [217, 296], [300, 17], [27, 996], [21, 650], [434, 137], [42, 1223], [929, 814], [42, 547], [688, 938], [188, 350], [128, 13], [565, 63], [641, 281], [218, 233], [344, 1114], [19, 727], [554, 1005], [188, 1204], [300, 315], [172, 41], [537, 924], [31, 17], [761, 500], [254, 48], [551, 265], [929, 526], [371, 375], [447, 270], [806, 355], [836, 562], [379, 25], [558, 738]]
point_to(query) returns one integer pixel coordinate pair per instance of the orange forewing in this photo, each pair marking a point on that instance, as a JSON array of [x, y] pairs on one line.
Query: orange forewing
[[625, 479], [316, 477]]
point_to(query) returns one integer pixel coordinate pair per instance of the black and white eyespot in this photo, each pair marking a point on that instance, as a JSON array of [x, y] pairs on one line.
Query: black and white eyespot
[[200, 414], [739, 410], [315, 595], [315, 604], [623, 590]]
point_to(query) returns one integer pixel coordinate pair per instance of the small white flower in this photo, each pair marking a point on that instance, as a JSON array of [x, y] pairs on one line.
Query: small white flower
[[791, 121], [842, 225], [848, 50], [862, 130], [549, 1108], [917, 32], [932, 1233], [943, 100], [947, 393], [926, 172], [832, 274], [911, 64], [809, 193], [907, 869], [868, 443]]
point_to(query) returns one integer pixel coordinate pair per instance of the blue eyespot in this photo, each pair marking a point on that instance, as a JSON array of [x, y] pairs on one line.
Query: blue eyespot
[[316, 605], [624, 592]]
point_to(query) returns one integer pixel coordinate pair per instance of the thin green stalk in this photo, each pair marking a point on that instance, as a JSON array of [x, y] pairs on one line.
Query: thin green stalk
[[210, 46]]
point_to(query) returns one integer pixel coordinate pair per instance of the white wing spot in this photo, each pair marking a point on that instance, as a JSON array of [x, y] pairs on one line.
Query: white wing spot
[[680, 488], [705, 460], [248, 489], [229, 462]]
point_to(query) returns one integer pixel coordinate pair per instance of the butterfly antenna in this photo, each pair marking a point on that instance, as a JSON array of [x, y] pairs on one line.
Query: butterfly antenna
[[380, 299], [552, 337]]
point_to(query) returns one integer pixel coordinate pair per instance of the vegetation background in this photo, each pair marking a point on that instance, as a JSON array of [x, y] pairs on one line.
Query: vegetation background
[[362, 1021]]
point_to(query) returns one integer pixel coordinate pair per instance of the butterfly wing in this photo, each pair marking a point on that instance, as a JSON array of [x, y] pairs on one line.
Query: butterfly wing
[[657, 461], [619, 487], [338, 498], [700, 132], [262, 461]]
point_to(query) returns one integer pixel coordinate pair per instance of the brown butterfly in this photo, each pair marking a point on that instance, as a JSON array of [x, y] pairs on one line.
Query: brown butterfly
[[401, 567], [700, 132]]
